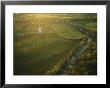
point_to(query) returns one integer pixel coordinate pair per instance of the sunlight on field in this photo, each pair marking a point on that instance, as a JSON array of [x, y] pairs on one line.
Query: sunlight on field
[[43, 43]]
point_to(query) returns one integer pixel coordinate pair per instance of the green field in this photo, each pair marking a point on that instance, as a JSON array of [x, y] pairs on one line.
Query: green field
[[44, 43]]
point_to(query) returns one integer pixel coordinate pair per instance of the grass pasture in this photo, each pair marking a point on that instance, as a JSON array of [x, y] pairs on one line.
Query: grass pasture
[[43, 43]]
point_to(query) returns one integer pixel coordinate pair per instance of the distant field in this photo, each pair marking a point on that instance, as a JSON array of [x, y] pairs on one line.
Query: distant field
[[43, 43]]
